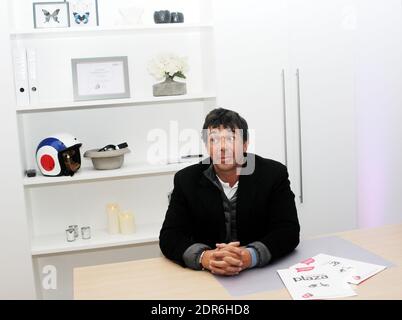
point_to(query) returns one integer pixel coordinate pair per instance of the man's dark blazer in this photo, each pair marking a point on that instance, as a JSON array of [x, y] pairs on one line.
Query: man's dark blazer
[[265, 211]]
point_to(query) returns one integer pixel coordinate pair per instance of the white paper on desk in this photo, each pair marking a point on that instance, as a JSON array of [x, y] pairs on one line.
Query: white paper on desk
[[312, 283], [353, 271]]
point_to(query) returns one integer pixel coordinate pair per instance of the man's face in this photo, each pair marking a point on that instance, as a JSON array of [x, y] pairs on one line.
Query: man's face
[[226, 147]]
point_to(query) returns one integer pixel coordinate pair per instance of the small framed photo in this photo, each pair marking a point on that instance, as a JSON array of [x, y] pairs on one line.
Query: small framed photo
[[84, 13], [100, 78], [51, 15]]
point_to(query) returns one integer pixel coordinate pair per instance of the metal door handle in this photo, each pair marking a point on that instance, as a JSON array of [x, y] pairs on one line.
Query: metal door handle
[[284, 116], [300, 135]]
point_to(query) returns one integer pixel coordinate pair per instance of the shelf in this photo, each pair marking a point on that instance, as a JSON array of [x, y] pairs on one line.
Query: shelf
[[90, 174], [57, 243], [91, 31], [113, 102]]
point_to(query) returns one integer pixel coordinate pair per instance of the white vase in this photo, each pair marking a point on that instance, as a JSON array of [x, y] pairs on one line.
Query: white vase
[[169, 87]]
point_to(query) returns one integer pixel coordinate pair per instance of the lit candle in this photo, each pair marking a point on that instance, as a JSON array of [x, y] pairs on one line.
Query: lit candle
[[113, 210], [126, 219]]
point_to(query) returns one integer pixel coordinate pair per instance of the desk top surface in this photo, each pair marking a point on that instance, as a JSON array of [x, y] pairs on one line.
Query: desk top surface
[[159, 278]]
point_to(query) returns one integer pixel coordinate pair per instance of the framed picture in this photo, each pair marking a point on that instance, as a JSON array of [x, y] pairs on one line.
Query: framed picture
[[51, 15], [100, 78], [84, 13]]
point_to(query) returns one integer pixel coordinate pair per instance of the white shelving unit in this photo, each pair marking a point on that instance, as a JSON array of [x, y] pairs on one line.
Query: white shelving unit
[[90, 174], [108, 31], [53, 203], [56, 243], [115, 102], [148, 233]]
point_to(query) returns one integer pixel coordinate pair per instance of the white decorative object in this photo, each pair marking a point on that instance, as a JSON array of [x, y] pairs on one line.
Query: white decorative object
[[168, 67], [126, 219], [112, 211], [130, 16]]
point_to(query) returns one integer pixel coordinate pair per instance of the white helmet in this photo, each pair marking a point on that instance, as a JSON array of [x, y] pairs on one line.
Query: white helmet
[[59, 155]]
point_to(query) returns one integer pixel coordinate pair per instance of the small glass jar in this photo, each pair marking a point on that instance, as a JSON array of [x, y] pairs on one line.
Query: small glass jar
[[86, 233], [70, 235], [75, 227]]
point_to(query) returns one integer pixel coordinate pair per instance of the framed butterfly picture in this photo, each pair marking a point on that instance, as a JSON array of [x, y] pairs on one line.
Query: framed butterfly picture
[[84, 13], [51, 15]]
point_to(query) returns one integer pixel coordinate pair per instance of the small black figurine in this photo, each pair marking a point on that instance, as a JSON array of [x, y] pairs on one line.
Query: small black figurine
[[30, 173]]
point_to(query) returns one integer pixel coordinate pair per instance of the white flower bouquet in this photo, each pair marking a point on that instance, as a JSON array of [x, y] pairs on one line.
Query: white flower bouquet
[[167, 66]]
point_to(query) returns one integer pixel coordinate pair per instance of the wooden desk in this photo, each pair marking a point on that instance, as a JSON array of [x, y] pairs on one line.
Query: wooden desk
[[160, 278]]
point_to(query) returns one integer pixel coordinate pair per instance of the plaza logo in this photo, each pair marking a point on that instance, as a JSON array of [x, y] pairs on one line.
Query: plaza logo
[[310, 278]]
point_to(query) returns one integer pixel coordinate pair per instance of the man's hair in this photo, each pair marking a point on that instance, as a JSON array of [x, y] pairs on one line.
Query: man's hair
[[228, 119]]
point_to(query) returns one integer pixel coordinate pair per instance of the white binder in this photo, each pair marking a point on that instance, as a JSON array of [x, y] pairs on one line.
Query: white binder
[[32, 76], [21, 77]]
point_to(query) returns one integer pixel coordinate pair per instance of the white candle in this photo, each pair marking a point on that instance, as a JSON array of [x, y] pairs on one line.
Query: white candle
[[126, 219], [113, 210]]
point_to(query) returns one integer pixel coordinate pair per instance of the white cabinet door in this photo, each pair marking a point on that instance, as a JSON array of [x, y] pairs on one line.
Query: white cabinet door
[[321, 83], [251, 40]]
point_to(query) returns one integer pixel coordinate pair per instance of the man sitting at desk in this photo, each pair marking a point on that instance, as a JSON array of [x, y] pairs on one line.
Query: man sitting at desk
[[232, 211]]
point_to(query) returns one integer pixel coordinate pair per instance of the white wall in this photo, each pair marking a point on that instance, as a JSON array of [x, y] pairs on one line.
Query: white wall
[[379, 111], [16, 275]]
